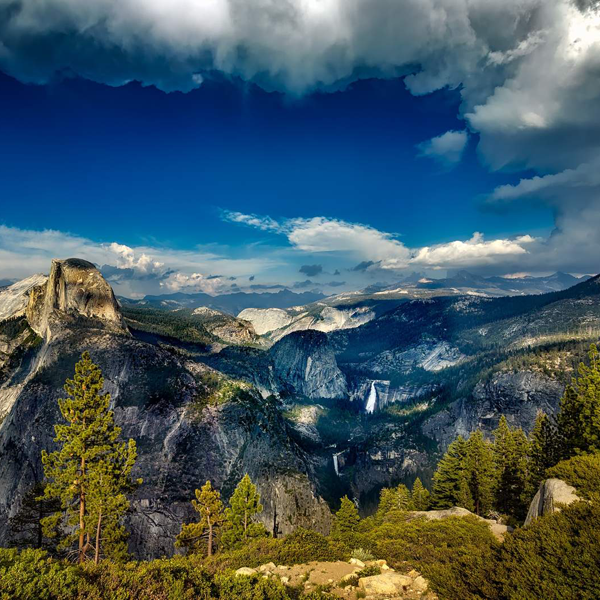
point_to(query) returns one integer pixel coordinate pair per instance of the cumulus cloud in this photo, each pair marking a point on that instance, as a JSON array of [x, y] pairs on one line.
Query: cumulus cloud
[[475, 252], [447, 149], [311, 270]]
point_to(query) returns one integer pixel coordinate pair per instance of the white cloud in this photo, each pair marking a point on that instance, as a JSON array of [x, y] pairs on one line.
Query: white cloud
[[447, 148], [380, 249], [475, 252], [322, 235]]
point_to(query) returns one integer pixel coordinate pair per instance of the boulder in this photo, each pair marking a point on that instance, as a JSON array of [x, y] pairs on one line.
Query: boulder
[[245, 571], [388, 583], [551, 494]]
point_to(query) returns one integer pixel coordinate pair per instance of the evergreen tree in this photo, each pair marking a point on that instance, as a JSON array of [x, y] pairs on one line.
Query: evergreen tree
[[579, 414], [511, 449], [420, 496], [480, 472], [90, 471], [544, 451], [450, 477], [209, 506], [387, 502], [25, 528], [346, 518], [244, 505]]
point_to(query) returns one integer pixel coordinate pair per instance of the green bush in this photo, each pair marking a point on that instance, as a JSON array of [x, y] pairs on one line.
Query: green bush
[[304, 545], [557, 556], [252, 587], [582, 472]]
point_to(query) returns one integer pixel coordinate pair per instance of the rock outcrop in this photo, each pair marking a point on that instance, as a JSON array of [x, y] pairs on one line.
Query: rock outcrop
[[75, 290], [498, 530], [305, 361], [551, 495]]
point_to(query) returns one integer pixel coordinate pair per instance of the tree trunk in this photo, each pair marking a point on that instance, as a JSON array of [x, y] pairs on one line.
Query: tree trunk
[[210, 536], [98, 531], [81, 556]]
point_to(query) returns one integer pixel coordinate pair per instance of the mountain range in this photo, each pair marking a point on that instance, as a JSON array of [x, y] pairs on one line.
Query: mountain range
[[339, 396]]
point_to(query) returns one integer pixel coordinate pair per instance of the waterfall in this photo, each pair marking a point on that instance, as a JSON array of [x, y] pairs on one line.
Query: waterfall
[[372, 400], [335, 465]]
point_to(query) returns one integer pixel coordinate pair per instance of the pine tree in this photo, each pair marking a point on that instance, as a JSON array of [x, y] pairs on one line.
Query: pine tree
[[403, 498], [450, 477], [209, 506], [420, 496], [25, 528], [387, 502], [511, 449], [544, 451], [480, 472], [346, 518], [244, 505], [579, 414], [90, 471]]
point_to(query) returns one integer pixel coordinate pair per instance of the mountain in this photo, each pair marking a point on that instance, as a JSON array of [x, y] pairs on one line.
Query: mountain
[[370, 400], [230, 303]]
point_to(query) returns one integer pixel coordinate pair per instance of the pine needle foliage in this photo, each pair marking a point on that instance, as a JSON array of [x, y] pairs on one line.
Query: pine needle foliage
[[90, 472]]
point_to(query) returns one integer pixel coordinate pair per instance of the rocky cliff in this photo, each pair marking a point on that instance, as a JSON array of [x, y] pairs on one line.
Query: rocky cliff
[[306, 362]]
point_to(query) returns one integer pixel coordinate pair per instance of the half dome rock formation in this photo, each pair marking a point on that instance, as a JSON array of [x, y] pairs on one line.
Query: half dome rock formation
[[550, 496], [74, 289], [305, 360]]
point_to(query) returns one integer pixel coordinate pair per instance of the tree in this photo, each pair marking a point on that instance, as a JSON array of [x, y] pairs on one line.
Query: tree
[[346, 518], [244, 505], [480, 472], [25, 528], [579, 413], [511, 449], [449, 480], [544, 451], [209, 506], [420, 496], [90, 471]]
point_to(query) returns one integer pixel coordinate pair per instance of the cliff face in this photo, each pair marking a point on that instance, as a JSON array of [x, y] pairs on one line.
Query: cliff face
[[518, 396], [306, 362], [74, 289], [159, 399]]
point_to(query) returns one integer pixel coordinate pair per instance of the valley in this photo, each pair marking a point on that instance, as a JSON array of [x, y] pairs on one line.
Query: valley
[[345, 395]]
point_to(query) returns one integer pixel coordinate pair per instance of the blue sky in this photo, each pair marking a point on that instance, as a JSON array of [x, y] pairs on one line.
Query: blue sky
[[254, 168]]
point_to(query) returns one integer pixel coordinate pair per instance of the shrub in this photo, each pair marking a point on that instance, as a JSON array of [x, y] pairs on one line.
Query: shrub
[[582, 472], [362, 554], [304, 545]]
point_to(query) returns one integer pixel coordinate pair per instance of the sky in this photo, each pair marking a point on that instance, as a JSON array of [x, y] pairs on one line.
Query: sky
[[219, 145]]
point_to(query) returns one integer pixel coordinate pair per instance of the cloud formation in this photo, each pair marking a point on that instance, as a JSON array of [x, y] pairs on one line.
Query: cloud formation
[[381, 251], [131, 271], [447, 149], [311, 270]]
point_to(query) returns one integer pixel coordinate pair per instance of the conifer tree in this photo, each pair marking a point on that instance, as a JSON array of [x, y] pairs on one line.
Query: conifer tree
[[387, 502], [420, 496], [450, 477], [244, 505], [346, 518], [480, 472], [91, 469], [579, 414], [25, 527], [511, 449], [544, 451], [209, 506]]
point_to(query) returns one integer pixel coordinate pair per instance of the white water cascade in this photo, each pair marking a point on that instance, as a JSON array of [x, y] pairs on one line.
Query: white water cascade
[[372, 400], [336, 465]]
